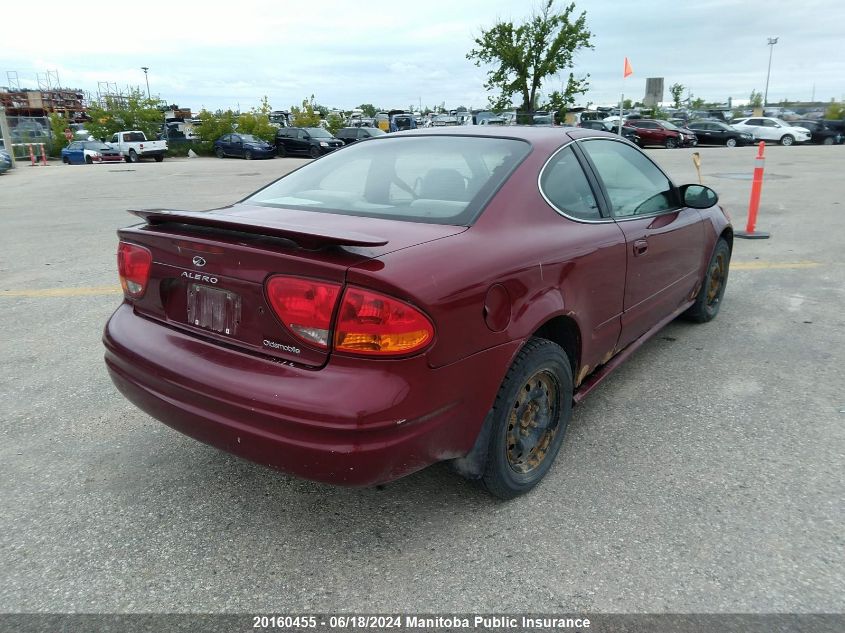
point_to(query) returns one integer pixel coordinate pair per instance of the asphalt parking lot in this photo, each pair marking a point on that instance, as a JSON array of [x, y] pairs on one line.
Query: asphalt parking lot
[[706, 475]]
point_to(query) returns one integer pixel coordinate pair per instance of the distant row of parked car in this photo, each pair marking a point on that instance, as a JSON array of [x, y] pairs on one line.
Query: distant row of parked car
[[291, 141]]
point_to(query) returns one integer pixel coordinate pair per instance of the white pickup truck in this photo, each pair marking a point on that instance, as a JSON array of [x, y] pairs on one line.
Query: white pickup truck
[[134, 146]]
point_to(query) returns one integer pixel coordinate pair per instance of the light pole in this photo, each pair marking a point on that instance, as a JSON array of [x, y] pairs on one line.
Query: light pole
[[771, 44], [147, 78]]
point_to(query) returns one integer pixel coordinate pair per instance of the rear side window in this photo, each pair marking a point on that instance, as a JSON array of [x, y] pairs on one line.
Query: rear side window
[[565, 186], [633, 183], [435, 179]]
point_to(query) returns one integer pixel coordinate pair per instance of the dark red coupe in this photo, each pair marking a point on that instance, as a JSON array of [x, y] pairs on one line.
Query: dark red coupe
[[430, 295]]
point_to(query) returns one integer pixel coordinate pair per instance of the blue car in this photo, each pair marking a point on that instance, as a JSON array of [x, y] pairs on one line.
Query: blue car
[[5, 161], [244, 146], [90, 152]]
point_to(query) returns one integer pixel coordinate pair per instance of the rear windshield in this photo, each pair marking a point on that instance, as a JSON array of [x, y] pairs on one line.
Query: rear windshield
[[435, 179], [134, 137]]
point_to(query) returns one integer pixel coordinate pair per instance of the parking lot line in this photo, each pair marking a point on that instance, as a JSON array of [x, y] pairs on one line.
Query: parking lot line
[[94, 291]]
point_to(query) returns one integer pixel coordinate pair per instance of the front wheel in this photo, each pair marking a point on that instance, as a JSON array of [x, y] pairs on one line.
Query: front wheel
[[281, 152], [731, 142], [709, 298], [133, 156], [219, 153], [671, 143], [314, 152], [89, 160], [787, 140], [248, 155], [529, 419], [65, 160]]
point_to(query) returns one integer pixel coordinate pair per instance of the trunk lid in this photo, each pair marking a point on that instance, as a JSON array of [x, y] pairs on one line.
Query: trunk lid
[[209, 268]]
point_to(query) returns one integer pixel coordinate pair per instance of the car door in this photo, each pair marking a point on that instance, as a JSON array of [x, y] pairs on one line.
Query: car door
[[649, 132], [594, 252], [755, 127], [223, 143], [236, 146], [705, 133], [665, 240], [76, 152]]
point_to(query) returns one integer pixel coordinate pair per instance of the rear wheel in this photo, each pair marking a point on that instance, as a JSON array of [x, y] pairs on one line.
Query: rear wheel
[[65, 160], [281, 151], [133, 156], [787, 140], [159, 157], [828, 140], [671, 143], [529, 419], [709, 298], [314, 152], [731, 142]]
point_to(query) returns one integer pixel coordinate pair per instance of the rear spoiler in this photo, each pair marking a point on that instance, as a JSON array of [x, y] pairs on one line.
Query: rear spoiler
[[305, 236]]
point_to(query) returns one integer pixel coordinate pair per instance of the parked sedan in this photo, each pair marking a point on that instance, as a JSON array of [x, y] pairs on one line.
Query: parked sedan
[[629, 133], [243, 146], [5, 161], [820, 132], [441, 294], [715, 133], [307, 141], [663, 133], [90, 152], [351, 135], [772, 129]]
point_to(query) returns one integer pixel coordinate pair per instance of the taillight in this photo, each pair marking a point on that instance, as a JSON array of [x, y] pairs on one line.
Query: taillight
[[133, 265], [305, 306], [374, 324]]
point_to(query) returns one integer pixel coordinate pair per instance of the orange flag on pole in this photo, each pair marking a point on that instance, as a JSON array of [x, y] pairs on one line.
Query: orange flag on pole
[[628, 70]]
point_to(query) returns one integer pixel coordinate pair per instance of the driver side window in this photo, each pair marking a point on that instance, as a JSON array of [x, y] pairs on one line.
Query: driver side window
[[633, 183]]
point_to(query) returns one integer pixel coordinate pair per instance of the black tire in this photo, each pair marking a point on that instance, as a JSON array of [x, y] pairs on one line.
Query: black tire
[[828, 140], [314, 152], [731, 142], [671, 143], [219, 153], [159, 157], [787, 140], [247, 155], [89, 160], [709, 298], [133, 156], [65, 160], [281, 151], [534, 403]]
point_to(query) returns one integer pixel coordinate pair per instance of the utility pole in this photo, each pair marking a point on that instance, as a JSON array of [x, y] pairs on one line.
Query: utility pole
[[771, 45], [147, 78]]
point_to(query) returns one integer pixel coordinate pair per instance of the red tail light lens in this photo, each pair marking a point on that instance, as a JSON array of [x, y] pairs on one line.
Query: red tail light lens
[[374, 324], [305, 306], [133, 265]]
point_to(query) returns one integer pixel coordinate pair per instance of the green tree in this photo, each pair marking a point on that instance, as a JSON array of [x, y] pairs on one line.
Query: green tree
[[835, 111], [335, 122], [369, 109], [677, 91], [524, 55], [697, 103], [306, 116], [132, 112], [627, 104], [58, 125], [756, 99]]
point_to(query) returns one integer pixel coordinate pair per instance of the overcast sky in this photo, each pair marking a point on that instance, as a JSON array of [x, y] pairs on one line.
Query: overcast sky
[[393, 54]]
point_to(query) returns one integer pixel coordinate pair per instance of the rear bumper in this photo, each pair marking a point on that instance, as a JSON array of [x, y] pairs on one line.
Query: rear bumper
[[354, 422]]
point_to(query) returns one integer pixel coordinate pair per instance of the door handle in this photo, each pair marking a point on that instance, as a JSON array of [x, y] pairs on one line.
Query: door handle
[[640, 247]]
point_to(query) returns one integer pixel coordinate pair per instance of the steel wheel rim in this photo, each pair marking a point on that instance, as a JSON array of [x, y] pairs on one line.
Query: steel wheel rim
[[533, 422], [716, 280]]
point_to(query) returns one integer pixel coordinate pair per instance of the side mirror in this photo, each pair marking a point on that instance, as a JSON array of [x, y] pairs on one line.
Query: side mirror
[[698, 196]]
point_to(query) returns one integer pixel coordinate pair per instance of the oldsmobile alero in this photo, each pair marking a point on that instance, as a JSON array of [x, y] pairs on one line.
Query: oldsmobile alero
[[431, 295]]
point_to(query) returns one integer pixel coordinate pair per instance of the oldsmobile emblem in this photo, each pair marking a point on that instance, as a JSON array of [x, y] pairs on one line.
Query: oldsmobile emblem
[[199, 261]]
